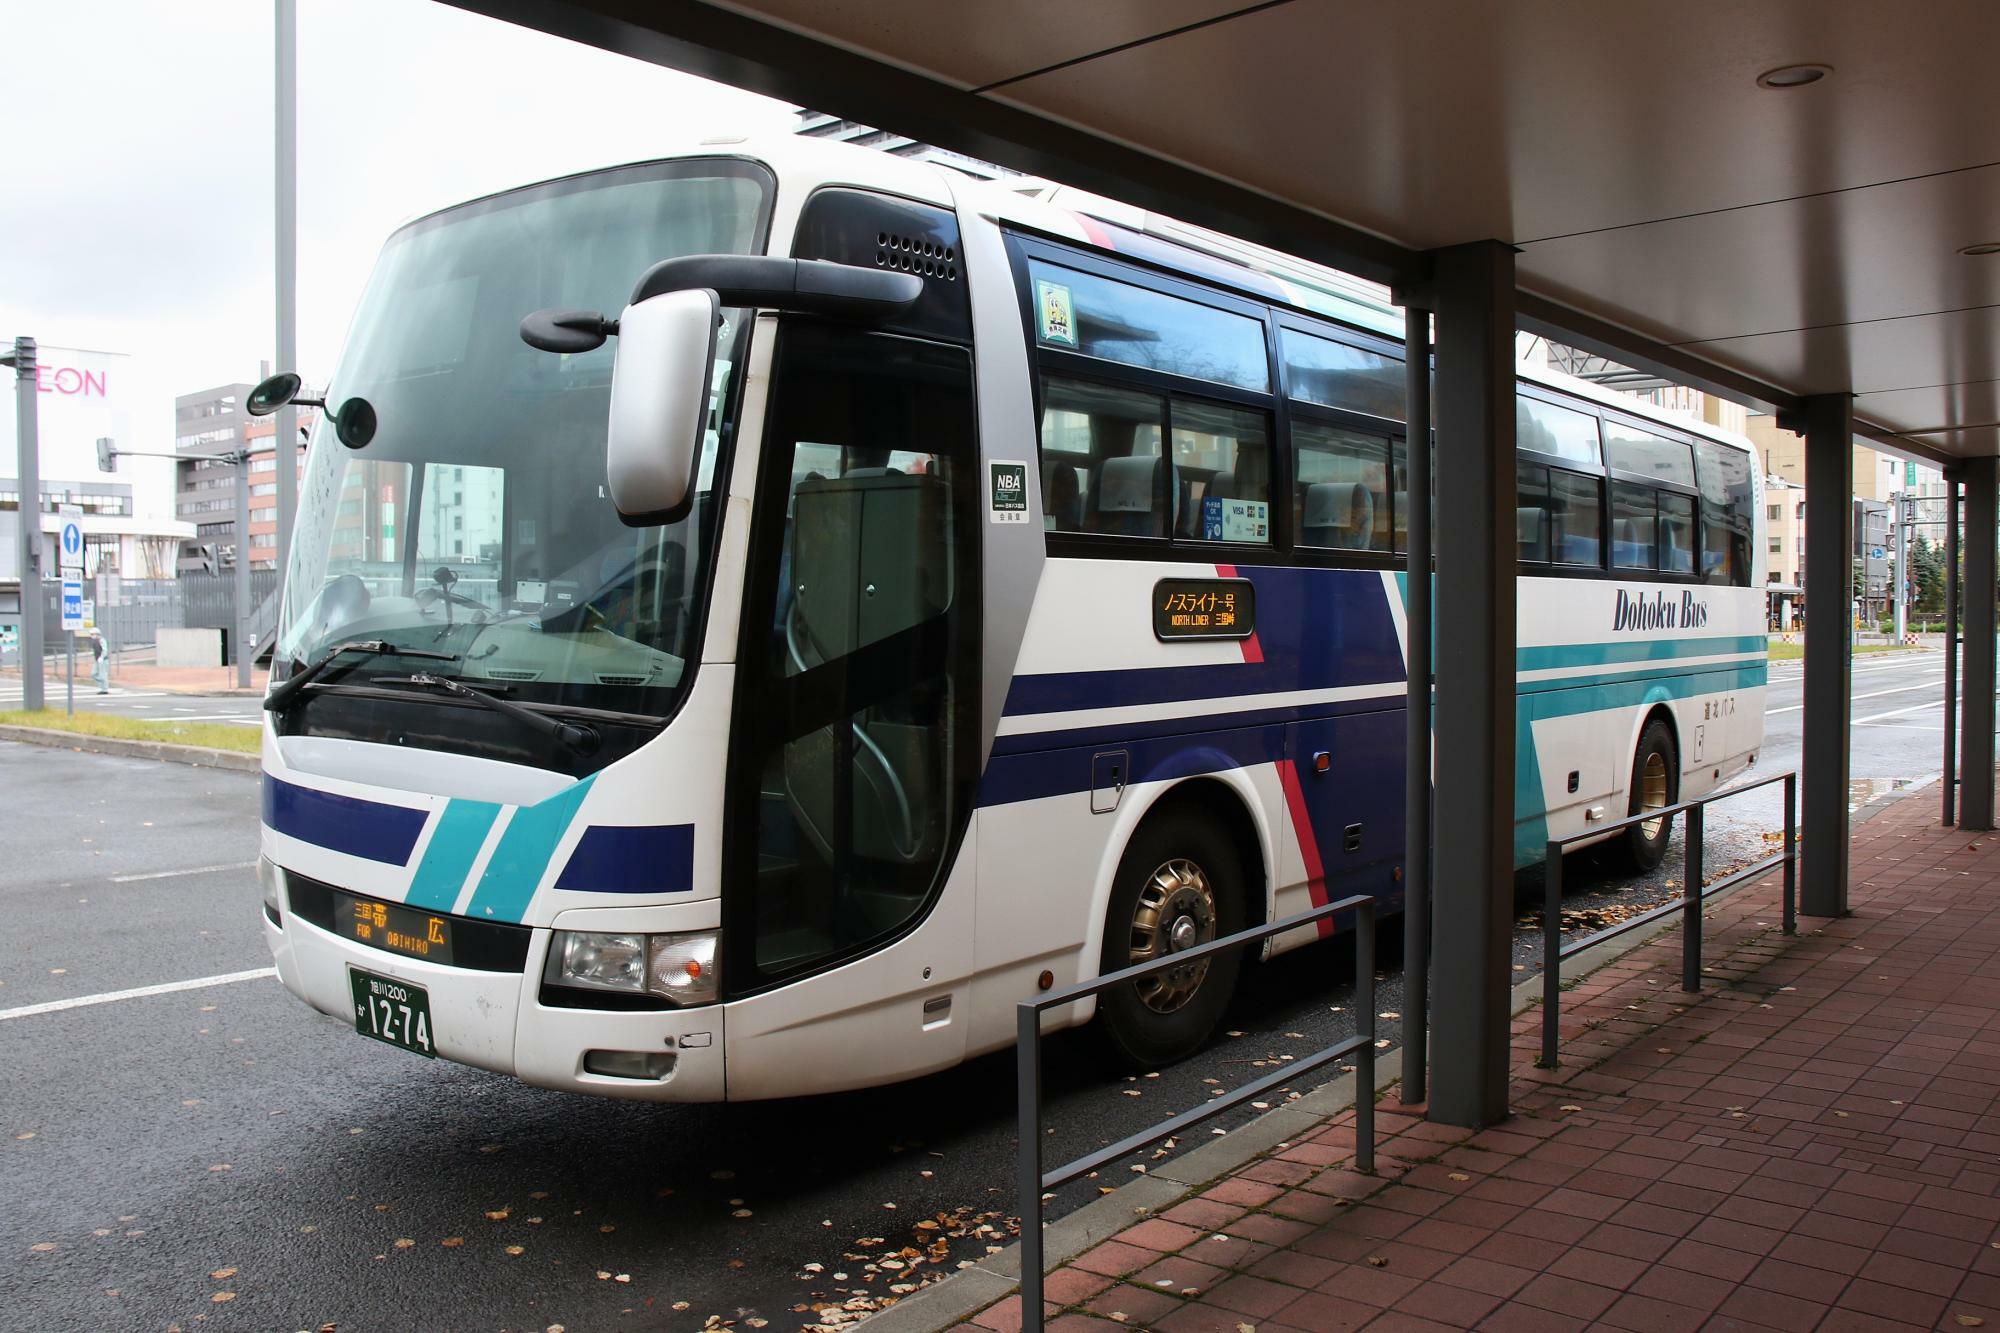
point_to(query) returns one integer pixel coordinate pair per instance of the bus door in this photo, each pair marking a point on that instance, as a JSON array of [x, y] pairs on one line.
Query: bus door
[[853, 752]]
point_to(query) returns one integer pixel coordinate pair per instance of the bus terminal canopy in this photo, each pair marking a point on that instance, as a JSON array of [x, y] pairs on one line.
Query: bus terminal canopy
[[1666, 206], [1794, 204]]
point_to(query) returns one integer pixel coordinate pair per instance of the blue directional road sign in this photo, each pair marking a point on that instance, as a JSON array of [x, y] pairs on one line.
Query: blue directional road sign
[[72, 603], [72, 546]]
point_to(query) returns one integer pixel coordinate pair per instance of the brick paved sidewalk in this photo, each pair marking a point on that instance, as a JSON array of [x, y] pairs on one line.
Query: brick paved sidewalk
[[1810, 1143]]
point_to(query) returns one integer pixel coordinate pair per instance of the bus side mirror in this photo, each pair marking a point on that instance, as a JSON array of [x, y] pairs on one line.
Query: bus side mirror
[[659, 402]]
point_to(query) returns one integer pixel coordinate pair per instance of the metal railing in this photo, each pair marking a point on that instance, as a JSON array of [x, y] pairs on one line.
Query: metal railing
[[1033, 1181], [1693, 891]]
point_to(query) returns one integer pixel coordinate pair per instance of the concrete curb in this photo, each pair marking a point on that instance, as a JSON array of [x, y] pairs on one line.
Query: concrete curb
[[972, 1289], [200, 756]]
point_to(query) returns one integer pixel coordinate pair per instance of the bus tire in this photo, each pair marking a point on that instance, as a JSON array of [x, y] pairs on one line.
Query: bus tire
[[1179, 884], [1656, 782]]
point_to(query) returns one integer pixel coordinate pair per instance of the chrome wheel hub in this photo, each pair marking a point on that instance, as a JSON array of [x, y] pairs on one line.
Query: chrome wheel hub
[[1175, 912], [1653, 792]]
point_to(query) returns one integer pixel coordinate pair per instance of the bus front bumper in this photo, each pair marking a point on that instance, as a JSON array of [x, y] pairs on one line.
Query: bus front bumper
[[496, 1021]]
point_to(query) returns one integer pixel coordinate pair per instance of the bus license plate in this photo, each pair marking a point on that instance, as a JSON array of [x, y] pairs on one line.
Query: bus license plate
[[393, 1011]]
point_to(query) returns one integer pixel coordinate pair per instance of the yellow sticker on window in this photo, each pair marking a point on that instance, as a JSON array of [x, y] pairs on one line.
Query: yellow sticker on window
[[1056, 312]]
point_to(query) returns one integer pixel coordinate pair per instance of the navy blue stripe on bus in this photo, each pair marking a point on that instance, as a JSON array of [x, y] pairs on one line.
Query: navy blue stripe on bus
[[1218, 714], [1319, 629], [372, 830], [656, 858], [1029, 777]]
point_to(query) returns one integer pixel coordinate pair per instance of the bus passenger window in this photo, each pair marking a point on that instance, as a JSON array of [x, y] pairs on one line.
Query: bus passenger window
[[1342, 497], [1102, 467], [1576, 518], [1634, 524], [1544, 428], [1531, 515], [1676, 533], [1337, 374], [1727, 496], [1221, 473]]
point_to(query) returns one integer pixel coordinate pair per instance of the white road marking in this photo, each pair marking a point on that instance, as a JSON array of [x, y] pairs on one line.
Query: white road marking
[[1900, 689], [174, 874], [137, 992], [1898, 712]]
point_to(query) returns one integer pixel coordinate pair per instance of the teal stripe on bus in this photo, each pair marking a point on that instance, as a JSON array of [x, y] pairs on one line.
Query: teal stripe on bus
[[461, 831], [521, 861], [1740, 673], [1531, 826], [1636, 650]]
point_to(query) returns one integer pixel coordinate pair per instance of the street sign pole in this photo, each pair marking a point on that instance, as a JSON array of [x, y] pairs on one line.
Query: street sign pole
[[69, 558]]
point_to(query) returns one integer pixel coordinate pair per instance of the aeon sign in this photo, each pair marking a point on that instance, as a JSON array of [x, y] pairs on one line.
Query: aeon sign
[[70, 382]]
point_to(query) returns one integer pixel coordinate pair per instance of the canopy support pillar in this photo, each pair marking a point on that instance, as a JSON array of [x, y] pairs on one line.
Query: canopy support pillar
[[1473, 859], [1828, 425], [1976, 679]]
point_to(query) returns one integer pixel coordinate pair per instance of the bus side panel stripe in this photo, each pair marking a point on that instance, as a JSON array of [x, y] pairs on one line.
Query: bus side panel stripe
[[1295, 806], [613, 859], [370, 829], [1027, 777], [455, 844], [1316, 629], [523, 855], [1253, 649]]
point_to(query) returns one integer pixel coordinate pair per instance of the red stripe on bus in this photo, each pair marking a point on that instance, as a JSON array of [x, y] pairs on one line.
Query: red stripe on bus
[[1253, 651], [1295, 804]]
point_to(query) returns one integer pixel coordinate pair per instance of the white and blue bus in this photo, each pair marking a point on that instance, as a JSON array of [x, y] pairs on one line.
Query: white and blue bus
[[756, 616]]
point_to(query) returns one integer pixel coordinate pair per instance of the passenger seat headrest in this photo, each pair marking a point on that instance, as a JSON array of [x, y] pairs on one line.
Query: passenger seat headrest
[[1126, 486]]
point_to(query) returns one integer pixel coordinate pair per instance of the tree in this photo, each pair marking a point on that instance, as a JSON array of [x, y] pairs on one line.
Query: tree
[[1927, 577]]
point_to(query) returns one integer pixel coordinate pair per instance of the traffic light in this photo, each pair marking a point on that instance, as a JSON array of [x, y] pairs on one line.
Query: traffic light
[[107, 454]]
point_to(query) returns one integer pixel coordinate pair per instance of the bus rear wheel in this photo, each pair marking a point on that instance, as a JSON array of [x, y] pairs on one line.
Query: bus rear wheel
[[1179, 885], [1655, 784]]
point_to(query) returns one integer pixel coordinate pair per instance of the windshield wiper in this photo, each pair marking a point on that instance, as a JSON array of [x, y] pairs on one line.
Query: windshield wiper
[[281, 697], [576, 736]]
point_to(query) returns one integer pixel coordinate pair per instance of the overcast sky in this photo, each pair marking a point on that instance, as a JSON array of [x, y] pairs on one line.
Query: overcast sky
[[136, 215]]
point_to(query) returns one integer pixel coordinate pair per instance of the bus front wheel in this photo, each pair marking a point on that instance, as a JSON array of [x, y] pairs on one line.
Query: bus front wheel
[[1655, 784], [1179, 885]]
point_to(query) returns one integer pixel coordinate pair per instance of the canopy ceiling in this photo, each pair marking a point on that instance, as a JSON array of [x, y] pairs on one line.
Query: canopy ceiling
[[1769, 243]]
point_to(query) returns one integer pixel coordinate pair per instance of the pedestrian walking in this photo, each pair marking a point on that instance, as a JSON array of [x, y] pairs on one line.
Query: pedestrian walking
[[100, 661]]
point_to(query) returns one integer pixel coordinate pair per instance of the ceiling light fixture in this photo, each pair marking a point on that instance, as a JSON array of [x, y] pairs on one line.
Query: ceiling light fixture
[[1793, 76], [1983, 248]]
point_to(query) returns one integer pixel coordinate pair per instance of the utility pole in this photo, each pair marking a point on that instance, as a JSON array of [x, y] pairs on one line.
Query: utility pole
[[1903, 508], [27, 438], [286, 462], [240, 638]]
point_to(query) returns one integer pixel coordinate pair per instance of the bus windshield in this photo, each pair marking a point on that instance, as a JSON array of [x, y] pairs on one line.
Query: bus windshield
[[477, 522]]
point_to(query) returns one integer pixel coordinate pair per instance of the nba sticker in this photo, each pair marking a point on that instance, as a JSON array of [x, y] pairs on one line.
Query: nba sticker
[[1058, 319], [1008, 499]]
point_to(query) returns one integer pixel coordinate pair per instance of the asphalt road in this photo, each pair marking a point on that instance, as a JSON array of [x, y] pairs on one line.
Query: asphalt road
[[157, 1141]]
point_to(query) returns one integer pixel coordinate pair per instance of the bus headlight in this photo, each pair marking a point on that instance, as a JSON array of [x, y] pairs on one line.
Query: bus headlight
[[681, 968], [598, 962], [684, 968]]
